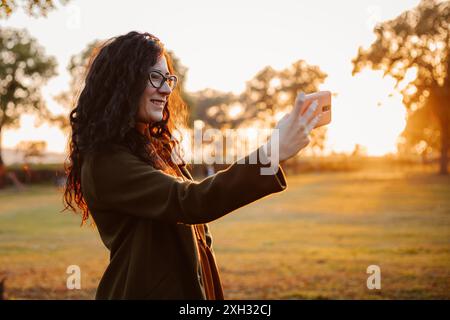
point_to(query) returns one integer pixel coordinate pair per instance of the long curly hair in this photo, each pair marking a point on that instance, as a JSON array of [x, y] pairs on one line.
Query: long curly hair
[[105, 112]]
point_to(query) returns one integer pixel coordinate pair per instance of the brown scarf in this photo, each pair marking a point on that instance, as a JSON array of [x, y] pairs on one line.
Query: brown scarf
[[210, 273]]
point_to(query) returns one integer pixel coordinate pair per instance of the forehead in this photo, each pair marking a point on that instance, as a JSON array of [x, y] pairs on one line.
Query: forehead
[[161, 65]]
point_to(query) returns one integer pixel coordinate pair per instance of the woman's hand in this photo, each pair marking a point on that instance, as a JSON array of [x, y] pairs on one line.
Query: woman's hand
[[294, 129]]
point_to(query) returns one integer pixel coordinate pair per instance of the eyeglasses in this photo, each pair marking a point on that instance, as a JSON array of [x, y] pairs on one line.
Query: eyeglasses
[[157, 80]]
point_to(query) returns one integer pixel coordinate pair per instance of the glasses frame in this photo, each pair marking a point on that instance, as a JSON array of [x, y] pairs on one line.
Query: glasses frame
[[170, 76]]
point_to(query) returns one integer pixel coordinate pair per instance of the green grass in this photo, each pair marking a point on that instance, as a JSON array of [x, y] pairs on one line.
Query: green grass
[[313, 241]]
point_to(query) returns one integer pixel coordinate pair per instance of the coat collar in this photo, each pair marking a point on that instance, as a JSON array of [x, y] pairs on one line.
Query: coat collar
[[185, 172]]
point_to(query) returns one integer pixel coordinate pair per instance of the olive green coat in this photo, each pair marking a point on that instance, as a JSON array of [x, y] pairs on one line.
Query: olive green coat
[[145, 217]]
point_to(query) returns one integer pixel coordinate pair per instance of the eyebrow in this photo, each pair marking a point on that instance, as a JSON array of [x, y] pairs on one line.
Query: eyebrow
[[167, 73]]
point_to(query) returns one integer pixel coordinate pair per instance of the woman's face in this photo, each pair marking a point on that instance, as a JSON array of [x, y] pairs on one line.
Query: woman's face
[[153, 100]]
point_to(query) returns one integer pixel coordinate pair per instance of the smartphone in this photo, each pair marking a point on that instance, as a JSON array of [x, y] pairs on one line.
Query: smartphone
[[324, 106]]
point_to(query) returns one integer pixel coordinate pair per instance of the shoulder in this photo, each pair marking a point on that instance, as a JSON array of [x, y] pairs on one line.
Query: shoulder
[[112, 161], [112, 153], [113, 171]]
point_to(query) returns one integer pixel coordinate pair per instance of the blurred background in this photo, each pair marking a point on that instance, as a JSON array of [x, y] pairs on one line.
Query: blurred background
[[372, 188]]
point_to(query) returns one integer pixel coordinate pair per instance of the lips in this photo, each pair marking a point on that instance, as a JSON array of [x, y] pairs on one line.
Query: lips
[[158, 102]]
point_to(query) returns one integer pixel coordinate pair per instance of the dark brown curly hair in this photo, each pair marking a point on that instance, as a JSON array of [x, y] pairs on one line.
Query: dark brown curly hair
[[105, 112]]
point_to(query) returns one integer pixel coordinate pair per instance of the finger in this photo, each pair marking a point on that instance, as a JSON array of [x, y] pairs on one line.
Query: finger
[[311, 110], [312, 124], [299, 102], [283, 119], [309, 114]]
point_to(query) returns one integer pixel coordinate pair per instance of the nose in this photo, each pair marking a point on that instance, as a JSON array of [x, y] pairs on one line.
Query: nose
[[165, 89]]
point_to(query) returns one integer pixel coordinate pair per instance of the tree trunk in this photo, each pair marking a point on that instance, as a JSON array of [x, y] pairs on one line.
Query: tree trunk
[[2, 164], [444, 145], [439, 100]]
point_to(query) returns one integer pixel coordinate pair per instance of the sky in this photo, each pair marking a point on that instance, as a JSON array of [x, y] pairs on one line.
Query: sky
[[224, 44]]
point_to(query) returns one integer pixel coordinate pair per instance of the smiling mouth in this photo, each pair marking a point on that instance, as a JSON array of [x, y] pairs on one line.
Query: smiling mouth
[[157, 102]]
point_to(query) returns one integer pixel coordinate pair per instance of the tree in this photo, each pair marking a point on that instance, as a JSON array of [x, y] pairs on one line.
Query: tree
[[300, 76], [31, 150], [417, 40], [261, 95], [34, 8], [359, 151], [77, 69], [211, 106], [24, 69], [421, 134]]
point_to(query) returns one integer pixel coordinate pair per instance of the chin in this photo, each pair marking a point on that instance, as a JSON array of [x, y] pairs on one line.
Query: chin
[[157, 118]]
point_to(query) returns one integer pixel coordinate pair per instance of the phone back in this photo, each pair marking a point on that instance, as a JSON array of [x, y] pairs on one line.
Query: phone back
[[324, 100]]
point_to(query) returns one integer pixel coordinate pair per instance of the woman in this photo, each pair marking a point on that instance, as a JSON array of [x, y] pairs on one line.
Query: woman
[[122, 173]]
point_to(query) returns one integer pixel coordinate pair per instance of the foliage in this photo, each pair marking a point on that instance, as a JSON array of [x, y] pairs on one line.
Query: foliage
[[34, 8], [417, 42], [267, 93], [31, 149], [24, 69]]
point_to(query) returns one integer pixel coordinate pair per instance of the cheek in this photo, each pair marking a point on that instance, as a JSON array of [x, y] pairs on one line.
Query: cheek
[[147, 111], [148, 92], [144, 102]]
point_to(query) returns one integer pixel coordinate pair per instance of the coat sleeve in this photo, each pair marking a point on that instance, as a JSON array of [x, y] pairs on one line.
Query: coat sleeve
[[124, 184]]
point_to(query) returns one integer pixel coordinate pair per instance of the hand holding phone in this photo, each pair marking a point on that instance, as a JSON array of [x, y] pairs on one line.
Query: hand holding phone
[[324, 106]]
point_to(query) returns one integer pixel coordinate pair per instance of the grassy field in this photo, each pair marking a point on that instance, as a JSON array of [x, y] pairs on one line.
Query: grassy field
[[313, 241]]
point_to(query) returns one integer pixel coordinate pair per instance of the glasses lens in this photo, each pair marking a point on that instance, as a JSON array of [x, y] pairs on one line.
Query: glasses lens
[[172, 82], [156, 79]]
